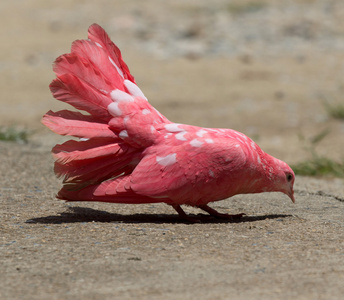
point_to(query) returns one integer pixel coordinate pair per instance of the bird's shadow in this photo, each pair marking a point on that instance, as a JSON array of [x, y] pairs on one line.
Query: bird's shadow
[[83, 214]]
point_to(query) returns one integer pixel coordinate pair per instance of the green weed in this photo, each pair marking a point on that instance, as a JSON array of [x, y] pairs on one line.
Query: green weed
[[335, 110], [318, 165], [243, 8], [11, 134]]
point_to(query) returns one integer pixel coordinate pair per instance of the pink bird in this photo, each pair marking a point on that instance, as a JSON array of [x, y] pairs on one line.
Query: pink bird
[[130, 153]]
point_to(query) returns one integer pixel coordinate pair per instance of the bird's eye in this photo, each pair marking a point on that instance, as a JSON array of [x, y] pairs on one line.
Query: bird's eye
[[289, 177]]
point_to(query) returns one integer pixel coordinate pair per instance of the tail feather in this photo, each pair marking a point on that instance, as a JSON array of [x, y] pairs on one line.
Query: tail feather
[[84, 69], [77, 175], [67, 122], [99, 192], [98, 35], [81, 150], [99, 59], [83, 162], [74, 91]]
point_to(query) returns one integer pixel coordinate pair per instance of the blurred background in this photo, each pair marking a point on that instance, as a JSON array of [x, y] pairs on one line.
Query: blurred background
[[273, 70]]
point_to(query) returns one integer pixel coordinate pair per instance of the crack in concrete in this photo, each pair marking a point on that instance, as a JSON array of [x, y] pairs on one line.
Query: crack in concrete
[[319, 193]]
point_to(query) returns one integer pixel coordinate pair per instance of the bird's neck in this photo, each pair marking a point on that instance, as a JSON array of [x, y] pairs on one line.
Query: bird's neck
[[261, 175]]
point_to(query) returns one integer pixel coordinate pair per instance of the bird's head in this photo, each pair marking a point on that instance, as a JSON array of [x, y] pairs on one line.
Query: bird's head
[[283, 178]]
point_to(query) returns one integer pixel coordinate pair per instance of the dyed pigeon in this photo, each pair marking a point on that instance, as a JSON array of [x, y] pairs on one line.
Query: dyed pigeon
[[129, 153]]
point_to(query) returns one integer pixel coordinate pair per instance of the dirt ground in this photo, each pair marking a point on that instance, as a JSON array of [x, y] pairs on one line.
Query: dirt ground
[[260, 67]]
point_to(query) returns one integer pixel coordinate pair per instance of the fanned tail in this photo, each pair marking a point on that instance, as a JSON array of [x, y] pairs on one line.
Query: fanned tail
[[83, 163], [72, 123], [118, 125], [98, 35]]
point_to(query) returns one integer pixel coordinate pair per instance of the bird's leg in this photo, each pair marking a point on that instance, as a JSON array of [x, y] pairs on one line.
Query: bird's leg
[[216, 214], [184, 216]]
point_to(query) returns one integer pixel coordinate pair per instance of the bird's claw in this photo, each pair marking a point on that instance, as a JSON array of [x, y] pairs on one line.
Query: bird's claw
[[216, 214], [210, 211]]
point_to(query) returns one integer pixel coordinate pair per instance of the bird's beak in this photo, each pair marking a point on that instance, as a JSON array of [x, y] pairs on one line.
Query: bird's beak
[[291, 195]]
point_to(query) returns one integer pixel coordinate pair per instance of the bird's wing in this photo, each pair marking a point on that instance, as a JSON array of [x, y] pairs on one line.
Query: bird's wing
[[182, 168]]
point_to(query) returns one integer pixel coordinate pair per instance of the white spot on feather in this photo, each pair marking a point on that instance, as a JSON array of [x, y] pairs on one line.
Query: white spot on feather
[[152, 129], [117, 68], [258, 159], [196, 143], [123, 134], [211, 173], [120, 96], [134, 89], [99, 45], [167, 135], [228, 159], [201, 132], [209, 141], [114, 109], [146, 111], [126, 119], [173, 127], [180, 136], [167, 160]]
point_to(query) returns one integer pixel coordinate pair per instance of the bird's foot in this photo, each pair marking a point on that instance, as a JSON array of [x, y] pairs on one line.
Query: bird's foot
[[184, 216], [218, 215], [209, 210]]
